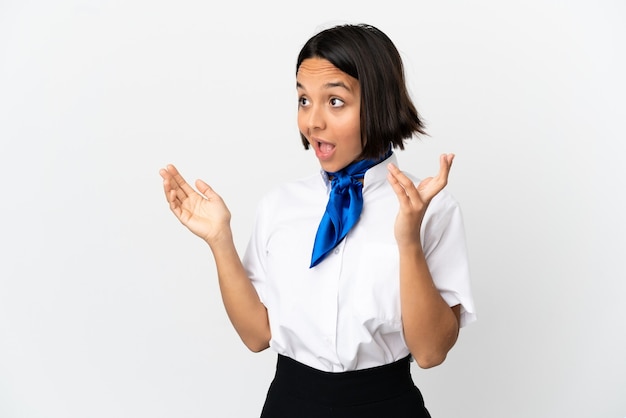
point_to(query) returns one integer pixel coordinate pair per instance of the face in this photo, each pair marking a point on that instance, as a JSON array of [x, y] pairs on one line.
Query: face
[[329, 106]]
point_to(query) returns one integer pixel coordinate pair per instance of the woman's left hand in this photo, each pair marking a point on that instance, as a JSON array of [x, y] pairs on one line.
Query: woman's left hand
[[414, 200]]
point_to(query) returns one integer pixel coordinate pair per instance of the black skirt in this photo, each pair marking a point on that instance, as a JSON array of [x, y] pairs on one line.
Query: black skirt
[[300, 391]]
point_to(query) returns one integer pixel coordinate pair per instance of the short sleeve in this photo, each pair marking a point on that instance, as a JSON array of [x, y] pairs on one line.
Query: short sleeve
[[445, 248], [254, 259]]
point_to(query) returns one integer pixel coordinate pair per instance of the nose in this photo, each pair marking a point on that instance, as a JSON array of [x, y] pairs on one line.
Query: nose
[[315, 118]]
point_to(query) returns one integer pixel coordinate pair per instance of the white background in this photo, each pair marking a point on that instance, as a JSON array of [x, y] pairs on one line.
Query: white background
[[110, 308]]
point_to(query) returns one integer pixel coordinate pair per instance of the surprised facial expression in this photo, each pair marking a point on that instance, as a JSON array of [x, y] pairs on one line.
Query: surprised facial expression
[[329, 110]]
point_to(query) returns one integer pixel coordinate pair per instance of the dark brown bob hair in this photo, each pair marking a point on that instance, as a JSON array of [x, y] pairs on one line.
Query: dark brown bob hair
[[388, 115]]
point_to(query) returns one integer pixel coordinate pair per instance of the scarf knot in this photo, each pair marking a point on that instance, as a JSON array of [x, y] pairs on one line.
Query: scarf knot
[[344, 207], [342, 182]]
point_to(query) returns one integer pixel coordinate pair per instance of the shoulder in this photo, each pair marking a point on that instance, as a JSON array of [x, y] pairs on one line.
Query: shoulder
[[297, 187], [443, 216], [445, 200], [294, 192]]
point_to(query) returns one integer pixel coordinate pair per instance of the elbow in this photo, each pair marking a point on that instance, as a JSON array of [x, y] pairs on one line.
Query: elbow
[[256, 347], [256, 344], [427, 357], [427, 361]]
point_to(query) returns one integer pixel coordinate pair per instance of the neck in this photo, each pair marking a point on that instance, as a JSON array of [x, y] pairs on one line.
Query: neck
[[357, 168]]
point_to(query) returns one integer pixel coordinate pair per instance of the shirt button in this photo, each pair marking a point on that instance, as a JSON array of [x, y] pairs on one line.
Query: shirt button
[[336, 250]]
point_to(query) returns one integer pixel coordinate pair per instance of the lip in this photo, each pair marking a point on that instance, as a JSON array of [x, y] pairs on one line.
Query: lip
[[321, 155]]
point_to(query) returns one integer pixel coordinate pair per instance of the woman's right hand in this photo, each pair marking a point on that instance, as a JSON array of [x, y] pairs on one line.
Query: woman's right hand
[[204, 213]]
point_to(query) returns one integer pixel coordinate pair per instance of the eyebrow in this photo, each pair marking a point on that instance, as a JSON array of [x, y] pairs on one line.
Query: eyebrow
[[329, 85]]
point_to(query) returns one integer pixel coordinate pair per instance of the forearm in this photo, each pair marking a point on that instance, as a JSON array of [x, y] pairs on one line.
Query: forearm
[[243, 306], [431, 327]]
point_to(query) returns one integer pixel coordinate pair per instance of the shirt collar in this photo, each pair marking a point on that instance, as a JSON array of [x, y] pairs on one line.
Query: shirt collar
[[374, 175]]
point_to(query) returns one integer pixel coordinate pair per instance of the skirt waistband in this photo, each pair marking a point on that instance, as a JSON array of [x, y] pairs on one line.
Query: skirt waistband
[[344, 388]]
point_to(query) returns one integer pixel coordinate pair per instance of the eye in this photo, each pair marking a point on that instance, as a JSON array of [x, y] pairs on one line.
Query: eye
[[303, 101], [336, 102]]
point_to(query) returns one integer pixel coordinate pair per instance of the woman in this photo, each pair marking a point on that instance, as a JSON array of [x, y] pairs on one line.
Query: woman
[[355, 271]]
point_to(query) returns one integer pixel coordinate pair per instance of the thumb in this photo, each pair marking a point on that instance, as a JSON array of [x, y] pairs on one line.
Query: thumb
[[205, 189], [445, 163]]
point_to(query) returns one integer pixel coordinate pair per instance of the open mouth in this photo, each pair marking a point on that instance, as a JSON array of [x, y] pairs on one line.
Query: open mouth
[[325, 148], [324, 151]]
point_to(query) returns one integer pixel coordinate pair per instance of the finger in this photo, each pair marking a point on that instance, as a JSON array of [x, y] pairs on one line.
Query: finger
[[396, 179], [404, 181], [184, 189], [205, 189], [399, 175], [430, 186], [169, 182], [173, 191], [433, 185], [170, 195], [169, 187], [445, 163], [163, 173], [175, 204]]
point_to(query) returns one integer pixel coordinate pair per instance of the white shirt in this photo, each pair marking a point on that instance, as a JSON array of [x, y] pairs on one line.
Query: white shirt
[[344, 314]]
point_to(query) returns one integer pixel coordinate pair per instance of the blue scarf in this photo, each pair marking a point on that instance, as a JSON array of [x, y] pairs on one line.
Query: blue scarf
[[344, 207]]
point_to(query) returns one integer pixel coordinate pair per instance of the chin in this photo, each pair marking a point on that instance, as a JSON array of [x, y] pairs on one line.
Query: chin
[[330, 167]]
